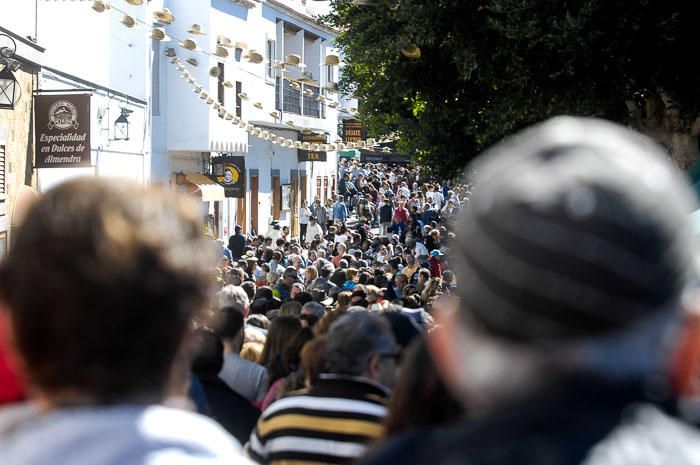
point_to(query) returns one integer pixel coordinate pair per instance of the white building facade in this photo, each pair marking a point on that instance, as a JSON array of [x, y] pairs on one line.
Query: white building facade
[[175, 138], [195, 136]]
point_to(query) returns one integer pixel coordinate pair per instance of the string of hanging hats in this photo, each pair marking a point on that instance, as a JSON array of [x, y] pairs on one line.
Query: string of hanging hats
[[264, 134], [221, 53]]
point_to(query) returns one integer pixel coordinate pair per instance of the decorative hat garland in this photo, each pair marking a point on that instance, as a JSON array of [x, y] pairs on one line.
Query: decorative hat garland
[[165, 17]]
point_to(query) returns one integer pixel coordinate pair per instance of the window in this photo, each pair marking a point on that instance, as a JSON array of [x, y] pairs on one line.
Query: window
[[329, 75], [220, 85], [271, 57], [239, 101]]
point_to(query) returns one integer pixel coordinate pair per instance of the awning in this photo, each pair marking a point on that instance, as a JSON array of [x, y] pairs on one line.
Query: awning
[[211, 191], [349, 153], [25, 198]]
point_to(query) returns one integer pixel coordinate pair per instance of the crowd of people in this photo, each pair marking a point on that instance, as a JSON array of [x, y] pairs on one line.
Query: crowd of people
[[545, 317]]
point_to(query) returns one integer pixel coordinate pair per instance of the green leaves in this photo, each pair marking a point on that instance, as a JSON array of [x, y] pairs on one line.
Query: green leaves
[[491, 67]]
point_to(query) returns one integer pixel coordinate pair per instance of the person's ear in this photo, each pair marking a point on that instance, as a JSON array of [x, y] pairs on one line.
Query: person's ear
[[445, 343], [685, 363], [373, 367]]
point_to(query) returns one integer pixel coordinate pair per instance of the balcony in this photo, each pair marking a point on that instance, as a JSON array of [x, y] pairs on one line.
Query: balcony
[[298, 98]]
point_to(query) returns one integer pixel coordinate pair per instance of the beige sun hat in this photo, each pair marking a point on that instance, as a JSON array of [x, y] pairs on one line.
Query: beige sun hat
[[258, 105], [290, 122], [189, 44], [128, 21], [221, 52], [228, 84], [331, 60], [214, 72], [135, 2], [223, 41], [192, 61], [293, 59], [333, 104], [100, 6], [274, 114], [158, 34], [308, 93], [164, 16], [295, 85], [254, 57], [196, 29], [243, 96], [411, 51], [170, 52]]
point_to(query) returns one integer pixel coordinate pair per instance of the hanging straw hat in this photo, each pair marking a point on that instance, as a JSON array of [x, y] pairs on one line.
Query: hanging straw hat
[[331, 60], [411, 51], [333, 104], [192, 61], [386, 149], [241, 45], [170, 52], [308, 92], [210, 101], [293, 60], [274, 114], [189, 44], [164, 16], [214, 71], [100, 6], [223, 41], [228, 84], [243, 96], [196, 29], [254, 57], [258, 105], [135, 2], [228, 116], [128, 21], [290, 122], [221, 52], [295, 85], [158, 34]]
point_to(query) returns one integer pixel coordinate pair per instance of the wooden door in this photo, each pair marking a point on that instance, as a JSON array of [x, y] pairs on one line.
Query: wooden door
[[303, 190], [254, 186], [276, 197], [325, 189]]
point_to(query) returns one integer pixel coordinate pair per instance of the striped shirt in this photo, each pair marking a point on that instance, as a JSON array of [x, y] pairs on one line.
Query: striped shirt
[[332, 423]]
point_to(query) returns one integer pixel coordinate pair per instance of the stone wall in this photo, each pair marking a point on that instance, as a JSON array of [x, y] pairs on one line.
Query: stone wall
[[16, 134]]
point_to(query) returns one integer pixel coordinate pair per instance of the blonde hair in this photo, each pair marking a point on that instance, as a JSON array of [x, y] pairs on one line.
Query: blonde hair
[[252, 351]]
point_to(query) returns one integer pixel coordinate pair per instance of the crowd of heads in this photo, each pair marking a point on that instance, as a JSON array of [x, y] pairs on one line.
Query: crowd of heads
[[572, 259]]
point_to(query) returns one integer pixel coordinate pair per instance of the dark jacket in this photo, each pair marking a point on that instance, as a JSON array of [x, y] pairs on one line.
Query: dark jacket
[[233, 411], [236, 244], [557, 427]]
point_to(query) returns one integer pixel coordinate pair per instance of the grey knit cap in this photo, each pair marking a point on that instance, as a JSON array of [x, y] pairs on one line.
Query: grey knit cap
[[576, 227]]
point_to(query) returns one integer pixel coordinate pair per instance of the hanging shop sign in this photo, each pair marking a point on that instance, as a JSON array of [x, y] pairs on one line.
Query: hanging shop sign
[[62, 137], [312, 155], [229, 171], [352, 131]]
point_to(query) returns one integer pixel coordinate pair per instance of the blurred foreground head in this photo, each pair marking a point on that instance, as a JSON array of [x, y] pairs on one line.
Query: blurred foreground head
[[577, 234], [101, 283]]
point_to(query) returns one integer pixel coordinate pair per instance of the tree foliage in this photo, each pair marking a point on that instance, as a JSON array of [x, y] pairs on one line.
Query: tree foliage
[[491, 67]]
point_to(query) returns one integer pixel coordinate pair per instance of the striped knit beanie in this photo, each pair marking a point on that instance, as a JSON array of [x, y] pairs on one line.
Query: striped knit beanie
[[577, 227]]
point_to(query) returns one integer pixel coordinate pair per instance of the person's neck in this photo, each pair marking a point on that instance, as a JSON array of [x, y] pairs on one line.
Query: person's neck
[[233, 346]]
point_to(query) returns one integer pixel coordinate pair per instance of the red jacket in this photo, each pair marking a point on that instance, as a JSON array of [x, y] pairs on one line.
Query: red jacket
[[436, 268]]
